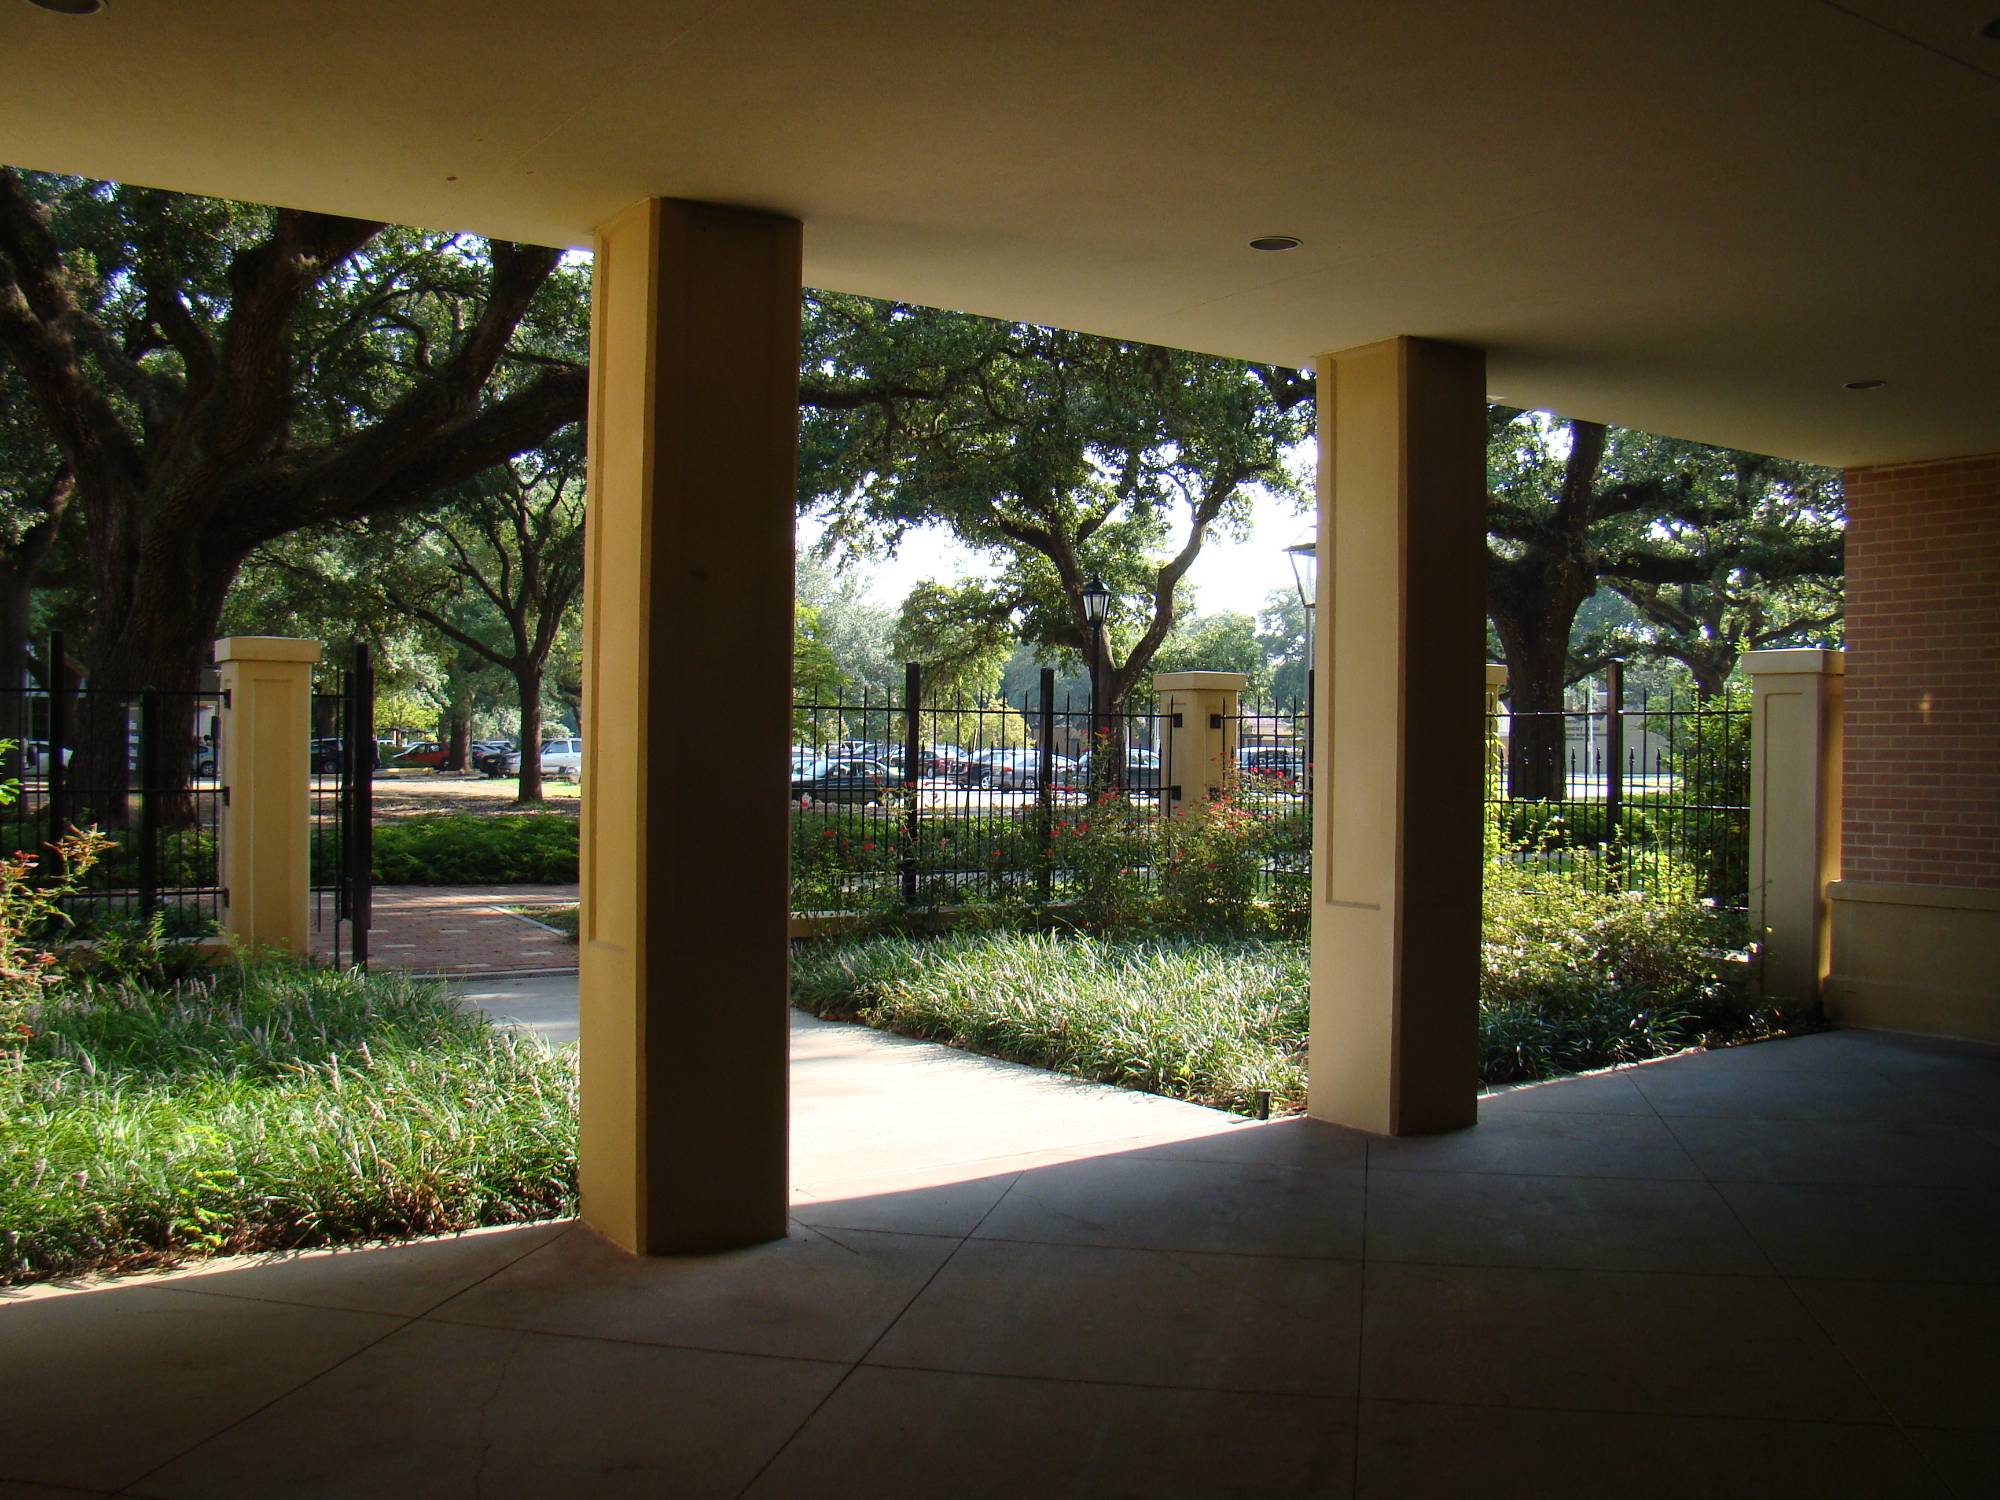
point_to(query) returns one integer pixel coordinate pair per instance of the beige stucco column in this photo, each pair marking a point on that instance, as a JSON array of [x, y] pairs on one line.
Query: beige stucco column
[[1200, 728], [688, 622], [1795, 727], [1398, 752], [264, 760]]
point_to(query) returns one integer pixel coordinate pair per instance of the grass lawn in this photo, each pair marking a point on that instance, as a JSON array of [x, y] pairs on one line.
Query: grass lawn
[[270, 1107]]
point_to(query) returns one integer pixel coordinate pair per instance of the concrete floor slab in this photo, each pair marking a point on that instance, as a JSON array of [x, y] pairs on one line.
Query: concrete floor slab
[[1549, 1143], [818, 1294], [102, 1387], [1603, 1341], [1583, 1295], [1581, 1223], [1137, 1317], [983, 1437], [523, 1414], [1412, 1451]]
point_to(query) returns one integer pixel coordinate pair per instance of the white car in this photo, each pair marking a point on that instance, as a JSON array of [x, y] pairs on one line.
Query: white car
[[562, 759]]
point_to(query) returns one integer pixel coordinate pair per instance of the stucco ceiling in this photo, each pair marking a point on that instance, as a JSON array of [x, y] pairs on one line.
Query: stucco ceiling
[[1699, 217]]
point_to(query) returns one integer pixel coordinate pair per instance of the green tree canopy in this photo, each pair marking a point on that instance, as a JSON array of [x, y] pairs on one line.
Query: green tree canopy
[[213, 376], [1572, 505], [1060, 455]]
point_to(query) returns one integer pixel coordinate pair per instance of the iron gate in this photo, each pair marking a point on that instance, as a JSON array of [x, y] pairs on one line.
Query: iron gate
[[343, 811]]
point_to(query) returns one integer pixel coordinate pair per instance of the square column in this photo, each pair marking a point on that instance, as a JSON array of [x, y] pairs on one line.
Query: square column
[[684, 941], [1795, 734], [1201, 726], [1399, 743], [264, 759]]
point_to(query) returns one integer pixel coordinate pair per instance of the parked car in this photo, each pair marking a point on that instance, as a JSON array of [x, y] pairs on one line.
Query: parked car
[[1284, 764], [1141, 774], [328, 755], [950, 759], [1016, 770], [562, 760], [203, 761], [425, 754], [489, 757], [848, 779]]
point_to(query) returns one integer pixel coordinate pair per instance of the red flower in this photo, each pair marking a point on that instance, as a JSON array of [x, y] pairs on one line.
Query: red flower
[[869, 844]]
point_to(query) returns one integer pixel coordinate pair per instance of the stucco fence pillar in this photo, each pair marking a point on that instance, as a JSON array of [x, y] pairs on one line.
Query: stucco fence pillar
[[1201, 727], [263, 761], [1795, 734]]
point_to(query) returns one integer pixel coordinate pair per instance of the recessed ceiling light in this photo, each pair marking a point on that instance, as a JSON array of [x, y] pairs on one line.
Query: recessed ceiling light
[[70, 7], [1276, 242], [1864, 385]]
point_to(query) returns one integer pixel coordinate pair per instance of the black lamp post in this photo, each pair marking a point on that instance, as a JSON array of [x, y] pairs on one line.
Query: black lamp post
[[1304, 558], [1096, 600]]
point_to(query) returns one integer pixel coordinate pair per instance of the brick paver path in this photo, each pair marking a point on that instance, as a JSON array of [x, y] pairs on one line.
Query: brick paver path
[[461, 930]]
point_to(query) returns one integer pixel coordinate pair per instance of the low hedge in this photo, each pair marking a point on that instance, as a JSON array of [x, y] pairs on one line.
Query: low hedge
[[478, 849]]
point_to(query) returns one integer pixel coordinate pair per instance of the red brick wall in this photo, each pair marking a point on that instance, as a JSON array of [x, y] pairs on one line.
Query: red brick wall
[[1922, 747]]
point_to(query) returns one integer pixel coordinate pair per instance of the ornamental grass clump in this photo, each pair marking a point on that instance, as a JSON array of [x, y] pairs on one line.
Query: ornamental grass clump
[[1213, 1022], [269, 1107], [1571, 979]]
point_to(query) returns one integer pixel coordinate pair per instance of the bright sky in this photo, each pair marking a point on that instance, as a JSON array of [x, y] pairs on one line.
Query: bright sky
[[1227, 576]]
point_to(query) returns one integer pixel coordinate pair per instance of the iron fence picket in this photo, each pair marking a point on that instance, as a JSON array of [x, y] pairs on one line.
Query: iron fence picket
[[1670, 814], [161, 824]]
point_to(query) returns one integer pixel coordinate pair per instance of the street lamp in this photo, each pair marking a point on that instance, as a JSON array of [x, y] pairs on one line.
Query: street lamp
[[1304, 558], [1096, 600]]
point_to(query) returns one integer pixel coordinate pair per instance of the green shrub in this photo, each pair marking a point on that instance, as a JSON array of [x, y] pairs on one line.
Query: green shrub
[[1104, 853], [269, 1107], [478, 849], [1210, 865]]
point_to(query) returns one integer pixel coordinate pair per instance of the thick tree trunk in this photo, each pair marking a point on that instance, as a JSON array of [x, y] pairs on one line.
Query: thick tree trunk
[[1710, 676], [1107, 748], [528, 684], [1537, 650], [1533, 601], [459, 743], [155, 628]]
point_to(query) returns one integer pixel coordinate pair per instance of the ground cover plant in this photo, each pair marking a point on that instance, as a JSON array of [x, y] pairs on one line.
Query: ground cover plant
[[1572, 978], [265, 1107]]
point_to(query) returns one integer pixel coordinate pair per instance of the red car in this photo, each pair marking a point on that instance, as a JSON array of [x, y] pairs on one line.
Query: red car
[[428, 754]]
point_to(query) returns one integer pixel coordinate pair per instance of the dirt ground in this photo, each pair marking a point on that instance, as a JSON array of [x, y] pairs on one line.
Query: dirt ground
[[414, 794]]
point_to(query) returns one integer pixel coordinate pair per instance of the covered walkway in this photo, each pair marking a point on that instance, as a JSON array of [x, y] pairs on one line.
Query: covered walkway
[[1762, 1271]]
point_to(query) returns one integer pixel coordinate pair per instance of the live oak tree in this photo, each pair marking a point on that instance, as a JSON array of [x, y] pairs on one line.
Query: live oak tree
[[495, 571], [1061, 455], [1572, 505], [211, 376]]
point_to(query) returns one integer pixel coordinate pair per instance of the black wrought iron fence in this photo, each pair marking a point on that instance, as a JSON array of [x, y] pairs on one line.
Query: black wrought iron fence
[[920, 802], [141, 768], [1271, 782], [342, 808], [1652, 794]]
